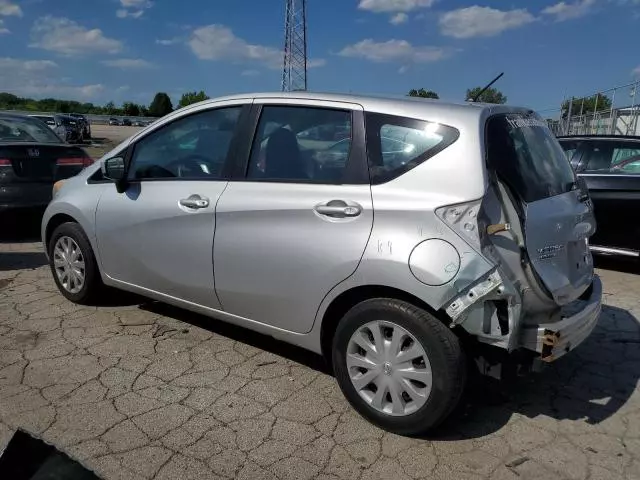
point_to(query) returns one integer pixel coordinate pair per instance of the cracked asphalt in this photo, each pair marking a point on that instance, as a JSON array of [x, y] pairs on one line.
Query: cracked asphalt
[[140, 390]]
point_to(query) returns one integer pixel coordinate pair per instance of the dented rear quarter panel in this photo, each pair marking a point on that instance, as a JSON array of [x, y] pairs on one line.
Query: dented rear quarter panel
[[404, 215]]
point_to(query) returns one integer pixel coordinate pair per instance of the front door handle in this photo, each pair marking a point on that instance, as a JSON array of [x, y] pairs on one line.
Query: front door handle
[[195, 201], [339, 209]]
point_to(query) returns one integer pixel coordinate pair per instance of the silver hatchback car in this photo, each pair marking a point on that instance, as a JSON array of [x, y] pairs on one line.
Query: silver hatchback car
[[402, 239]]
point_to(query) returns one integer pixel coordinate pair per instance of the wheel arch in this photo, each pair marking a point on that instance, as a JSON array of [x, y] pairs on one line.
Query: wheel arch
[[340, 305], [54, 222]]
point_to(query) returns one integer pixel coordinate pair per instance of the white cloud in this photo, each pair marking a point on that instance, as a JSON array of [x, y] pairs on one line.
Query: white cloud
[[217, 42], [169, 41], [387, 6], [636, 71], [567, 11], [3, 30], [399, 18], [128, 63], [9, 9], [479, 21], [8, 64], [250, 73], [316, 62], [38, 78], [394, 51], [133, 8], [67, 37]]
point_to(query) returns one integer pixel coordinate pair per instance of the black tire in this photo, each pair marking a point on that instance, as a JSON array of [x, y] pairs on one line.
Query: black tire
[[443, 349], [93, 285]]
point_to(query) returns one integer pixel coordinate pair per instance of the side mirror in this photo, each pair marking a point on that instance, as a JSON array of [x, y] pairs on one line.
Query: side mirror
[[114, 169]]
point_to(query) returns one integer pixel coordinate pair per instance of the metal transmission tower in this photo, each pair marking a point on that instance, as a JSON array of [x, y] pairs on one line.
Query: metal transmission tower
[[294, 75]]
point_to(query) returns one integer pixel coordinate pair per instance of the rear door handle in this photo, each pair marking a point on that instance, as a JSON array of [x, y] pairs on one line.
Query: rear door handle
[[195, 201], [339, 209]]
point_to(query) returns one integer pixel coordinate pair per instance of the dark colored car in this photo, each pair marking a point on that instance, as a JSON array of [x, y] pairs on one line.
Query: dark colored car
[[32, 159], [85, 124], [114, 121], [610, 166], [73, 129], [126, 122]]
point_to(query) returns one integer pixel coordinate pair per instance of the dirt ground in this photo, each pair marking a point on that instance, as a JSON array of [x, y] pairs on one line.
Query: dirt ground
[[105, 137]]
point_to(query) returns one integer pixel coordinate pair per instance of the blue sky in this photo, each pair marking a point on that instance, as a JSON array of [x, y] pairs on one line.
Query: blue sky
[[126, 50]]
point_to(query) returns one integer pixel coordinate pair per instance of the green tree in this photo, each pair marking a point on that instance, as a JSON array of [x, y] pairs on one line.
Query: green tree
[[586, 105], [110, 108], [192, 97], [423, 93], [131, 109], [491, 95], [161, 105]]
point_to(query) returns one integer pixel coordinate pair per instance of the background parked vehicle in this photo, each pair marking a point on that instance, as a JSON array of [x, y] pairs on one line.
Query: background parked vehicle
[[73, 129], [451, 268], [32, 159], [114, 121], [54, 122], [610, 166], [85, 124], [126, 122]]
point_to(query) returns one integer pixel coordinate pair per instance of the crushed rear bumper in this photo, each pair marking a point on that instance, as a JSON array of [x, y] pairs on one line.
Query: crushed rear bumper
[[553, 340]]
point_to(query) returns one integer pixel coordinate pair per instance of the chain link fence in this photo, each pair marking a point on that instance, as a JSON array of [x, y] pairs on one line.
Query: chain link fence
[[615, 111]]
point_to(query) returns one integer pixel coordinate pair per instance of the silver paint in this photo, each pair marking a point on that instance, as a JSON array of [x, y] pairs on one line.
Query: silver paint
[[260, 255]]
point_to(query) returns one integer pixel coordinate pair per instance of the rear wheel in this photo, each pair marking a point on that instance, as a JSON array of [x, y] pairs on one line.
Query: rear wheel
[[398, 365], [73, 264]]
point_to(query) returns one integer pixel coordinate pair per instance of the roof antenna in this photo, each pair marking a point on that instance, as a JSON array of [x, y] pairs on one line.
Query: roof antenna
[[479, 94]]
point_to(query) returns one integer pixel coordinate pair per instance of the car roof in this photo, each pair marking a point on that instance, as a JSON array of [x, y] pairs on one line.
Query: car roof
[[395, 105], [599, 137], [13, 116]]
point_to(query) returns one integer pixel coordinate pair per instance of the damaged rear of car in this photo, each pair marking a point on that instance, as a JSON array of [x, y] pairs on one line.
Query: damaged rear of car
[[533, 226], [478, 250]]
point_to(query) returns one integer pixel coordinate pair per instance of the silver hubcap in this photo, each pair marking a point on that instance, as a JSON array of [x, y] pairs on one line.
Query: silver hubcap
[[68, 262], [389, 368]]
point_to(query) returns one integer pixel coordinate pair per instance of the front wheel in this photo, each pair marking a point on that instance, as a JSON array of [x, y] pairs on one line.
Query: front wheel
[[73, 264], [398, 365]]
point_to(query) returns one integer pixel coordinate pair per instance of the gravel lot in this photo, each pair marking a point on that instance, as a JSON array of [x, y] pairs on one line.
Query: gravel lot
[[139, 390], [105, 137]]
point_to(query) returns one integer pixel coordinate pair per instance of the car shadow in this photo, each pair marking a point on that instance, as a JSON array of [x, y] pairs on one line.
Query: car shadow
[[21, 226], [21, 260], [240, 334], [588, 385], [584, 386]]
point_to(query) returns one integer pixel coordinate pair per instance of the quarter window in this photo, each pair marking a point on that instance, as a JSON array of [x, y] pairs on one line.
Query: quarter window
[[302, 144], [397, 144], [192, 147]]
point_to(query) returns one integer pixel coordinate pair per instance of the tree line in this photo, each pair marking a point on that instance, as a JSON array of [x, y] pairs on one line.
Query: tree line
[[160, 106], [577, 105]]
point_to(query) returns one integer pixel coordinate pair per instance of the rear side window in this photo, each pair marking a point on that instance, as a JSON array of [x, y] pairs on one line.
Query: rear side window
[[396, 144], [525, 155], [612, 157]]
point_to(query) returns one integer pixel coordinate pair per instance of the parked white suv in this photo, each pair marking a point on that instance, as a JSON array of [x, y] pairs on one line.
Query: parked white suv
[[397, 240]]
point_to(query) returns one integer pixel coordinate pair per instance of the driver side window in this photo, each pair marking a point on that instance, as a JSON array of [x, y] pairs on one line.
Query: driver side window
[[195, 146]]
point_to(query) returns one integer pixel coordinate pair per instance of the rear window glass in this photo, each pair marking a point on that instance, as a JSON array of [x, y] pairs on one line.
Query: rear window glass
[[526, 156], [25, 129], [397, 144]]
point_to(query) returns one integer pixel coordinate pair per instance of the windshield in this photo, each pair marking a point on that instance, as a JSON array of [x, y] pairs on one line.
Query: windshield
[[26, 130], [526, 155]]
